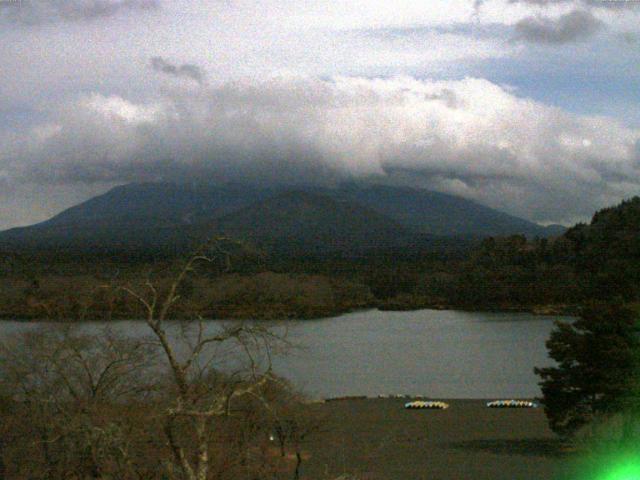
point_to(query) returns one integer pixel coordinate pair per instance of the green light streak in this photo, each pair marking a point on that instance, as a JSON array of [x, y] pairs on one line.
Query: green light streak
[[626, 470], [613, 463]]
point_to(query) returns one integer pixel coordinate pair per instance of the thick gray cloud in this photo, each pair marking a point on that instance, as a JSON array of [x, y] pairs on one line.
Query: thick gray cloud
[[594, 3], [468, 137], [607, 4], [540, 2], [185, 70], [571, 27], [34, 12]]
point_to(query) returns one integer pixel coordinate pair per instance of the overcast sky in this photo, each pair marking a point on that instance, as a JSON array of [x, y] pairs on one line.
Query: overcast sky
[[528, 106]]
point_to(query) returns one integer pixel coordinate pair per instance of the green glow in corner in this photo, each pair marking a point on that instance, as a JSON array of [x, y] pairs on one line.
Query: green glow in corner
[[627, 470], [617, 464]]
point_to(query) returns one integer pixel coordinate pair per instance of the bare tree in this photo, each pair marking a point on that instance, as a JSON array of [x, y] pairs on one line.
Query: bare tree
[[194, 396], [195, 354], [61, 386]]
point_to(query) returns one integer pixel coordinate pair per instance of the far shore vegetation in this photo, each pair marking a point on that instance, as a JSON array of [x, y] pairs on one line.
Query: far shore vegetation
[[596, 261]]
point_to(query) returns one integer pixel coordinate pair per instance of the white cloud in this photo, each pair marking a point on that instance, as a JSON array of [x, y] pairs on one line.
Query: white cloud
[[115, 109], [470, 137]]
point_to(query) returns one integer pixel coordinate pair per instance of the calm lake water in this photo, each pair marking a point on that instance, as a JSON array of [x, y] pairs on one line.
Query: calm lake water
[[440, 354]]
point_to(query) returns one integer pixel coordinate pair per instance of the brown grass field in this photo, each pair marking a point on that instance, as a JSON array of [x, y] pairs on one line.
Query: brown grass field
[[376, 439]]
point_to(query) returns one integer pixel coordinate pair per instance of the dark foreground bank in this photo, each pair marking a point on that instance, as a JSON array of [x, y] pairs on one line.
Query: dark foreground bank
[[377, 439]]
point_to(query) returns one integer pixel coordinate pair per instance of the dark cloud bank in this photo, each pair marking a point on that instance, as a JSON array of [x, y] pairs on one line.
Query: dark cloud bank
[[571, 27], [185, 70], [613, 4], [35, 12]]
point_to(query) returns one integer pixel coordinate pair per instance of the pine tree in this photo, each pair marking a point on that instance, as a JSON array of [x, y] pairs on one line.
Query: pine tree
[[597, 367]]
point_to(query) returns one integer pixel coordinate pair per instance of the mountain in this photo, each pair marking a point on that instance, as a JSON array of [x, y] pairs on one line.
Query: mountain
[[167, 215], [441, 214], [308, 222], [167, 204]]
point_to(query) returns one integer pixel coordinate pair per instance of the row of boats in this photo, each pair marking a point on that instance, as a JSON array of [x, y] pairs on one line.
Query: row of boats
[[437, 405], [511, 404], [418, 404]]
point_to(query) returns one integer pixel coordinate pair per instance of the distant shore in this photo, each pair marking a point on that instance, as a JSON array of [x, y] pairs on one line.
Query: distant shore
[[250, 313], [264, 295]]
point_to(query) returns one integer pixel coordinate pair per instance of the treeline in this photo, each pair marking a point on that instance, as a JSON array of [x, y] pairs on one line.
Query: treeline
[[596, 261]]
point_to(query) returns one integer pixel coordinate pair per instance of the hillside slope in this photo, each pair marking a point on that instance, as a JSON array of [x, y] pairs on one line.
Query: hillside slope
[[312, 223], [440, 213], [159, 215]]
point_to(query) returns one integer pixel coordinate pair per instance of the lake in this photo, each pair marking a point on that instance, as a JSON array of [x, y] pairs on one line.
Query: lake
[[440, 354]]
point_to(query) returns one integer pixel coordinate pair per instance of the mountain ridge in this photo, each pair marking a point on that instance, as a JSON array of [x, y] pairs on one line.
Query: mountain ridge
[[364, 216]]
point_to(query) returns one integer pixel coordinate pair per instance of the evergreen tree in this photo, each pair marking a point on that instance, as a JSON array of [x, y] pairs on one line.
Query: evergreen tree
[[597, 367]]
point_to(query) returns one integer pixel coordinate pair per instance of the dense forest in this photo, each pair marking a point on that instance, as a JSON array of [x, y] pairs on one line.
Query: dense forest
[[589, 261]]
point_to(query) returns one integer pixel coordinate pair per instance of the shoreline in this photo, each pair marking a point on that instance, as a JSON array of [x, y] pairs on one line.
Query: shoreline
[[548, 310], [355, 398]]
